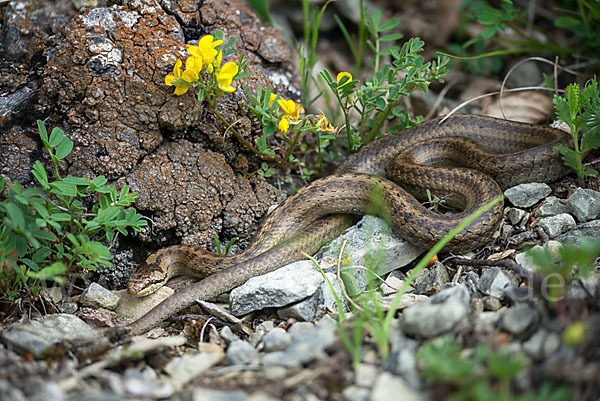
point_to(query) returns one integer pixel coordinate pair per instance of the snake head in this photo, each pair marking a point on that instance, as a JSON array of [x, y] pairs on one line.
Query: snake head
[[146, 279]]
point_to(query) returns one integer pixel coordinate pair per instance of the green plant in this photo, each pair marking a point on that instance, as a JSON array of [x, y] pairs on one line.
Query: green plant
[[507, 17], [369, 317], [580, 110], [433, 201], [48, 231], [220, 250], [378, 101], [479, 374]]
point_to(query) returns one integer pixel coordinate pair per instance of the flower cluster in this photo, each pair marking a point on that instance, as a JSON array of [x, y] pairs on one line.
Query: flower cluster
[[203, 57], [291, 112]]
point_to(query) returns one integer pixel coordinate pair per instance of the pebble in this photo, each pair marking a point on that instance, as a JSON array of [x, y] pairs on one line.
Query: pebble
[[527, 195], [492, 282], [96, 296], [284, 286], [551, 207], [315, 306], [389, 387], [517, 217], [365, 374], [556, 225], [486, 322], [402, 361], [431, 280], [542, 344], [584, 204], [185, 368], [228, 335], [440, 314], [518, 319], [491, 303], [276, 340], [308, 343], [355, 393], [35, 336], [589, 229], [240, 352]]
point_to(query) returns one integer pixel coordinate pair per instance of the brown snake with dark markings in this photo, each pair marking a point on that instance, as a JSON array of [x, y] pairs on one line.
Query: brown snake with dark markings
[[485, 154]]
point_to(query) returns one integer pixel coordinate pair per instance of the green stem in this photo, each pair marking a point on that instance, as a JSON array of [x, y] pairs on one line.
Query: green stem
[[291, 148]]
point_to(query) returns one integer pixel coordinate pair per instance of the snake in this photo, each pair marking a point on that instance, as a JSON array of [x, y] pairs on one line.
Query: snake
[[470, 158]]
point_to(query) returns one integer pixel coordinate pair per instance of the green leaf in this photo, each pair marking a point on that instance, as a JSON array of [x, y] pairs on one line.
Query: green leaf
[[15, 213], [76, 180], [392, 37], [39, 172], [60, 216], [390, 24], [200, 94], [21, 246], [51, 272], [566, 22], [488, 32], [99, 181], [268, 130], [56, 136], [562, 110], [43, 132], [64, 148], [570, 158], [41, 254], [63, 188], [573, 100]]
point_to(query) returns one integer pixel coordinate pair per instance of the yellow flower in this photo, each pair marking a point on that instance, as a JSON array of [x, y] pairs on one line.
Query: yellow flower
[[193, 64], [225, 75], [324, 124], [344, 74], [188, 76], [284, 124], [272, 99], [205, 49]]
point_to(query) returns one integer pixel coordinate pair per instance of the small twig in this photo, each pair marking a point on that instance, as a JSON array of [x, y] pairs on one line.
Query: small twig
[[541, 59], [204, 326], [466, 102]]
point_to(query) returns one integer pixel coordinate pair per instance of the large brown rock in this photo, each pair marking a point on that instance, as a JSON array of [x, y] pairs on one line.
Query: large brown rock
[[103, 83]]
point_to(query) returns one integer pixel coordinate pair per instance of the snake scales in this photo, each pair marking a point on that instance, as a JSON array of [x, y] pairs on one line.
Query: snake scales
[[470, 157]]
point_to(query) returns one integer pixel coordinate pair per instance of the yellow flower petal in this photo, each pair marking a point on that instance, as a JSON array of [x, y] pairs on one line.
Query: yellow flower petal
[[284, 124], [272, 99], [181, 89], [226, 75], [288, 106], [296, 113], [193, 63]]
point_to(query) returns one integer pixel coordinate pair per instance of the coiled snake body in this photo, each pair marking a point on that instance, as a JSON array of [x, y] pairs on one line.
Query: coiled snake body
[[470, 157]]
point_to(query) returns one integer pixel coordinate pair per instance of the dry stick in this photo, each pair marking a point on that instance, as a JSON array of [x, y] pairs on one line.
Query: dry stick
[[543, 60], [466, 102]]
